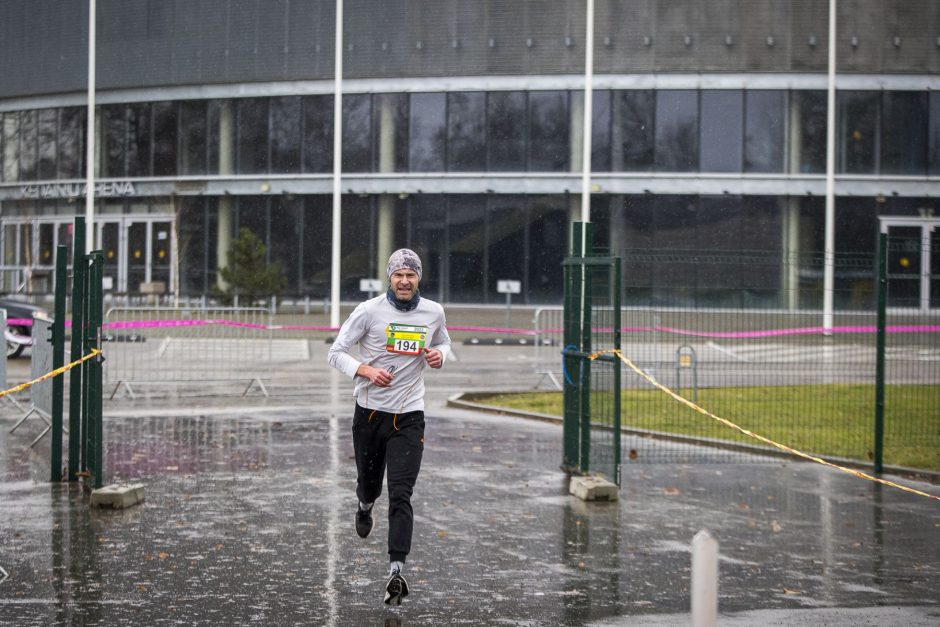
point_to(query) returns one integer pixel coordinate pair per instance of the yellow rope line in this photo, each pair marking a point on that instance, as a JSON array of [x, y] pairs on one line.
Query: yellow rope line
[[782, 447], [49, 375]]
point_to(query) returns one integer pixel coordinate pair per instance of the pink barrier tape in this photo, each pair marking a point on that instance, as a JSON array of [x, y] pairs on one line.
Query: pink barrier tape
[[492, 330], [303, 327], [768, 332], [159, 324], [803, 331]]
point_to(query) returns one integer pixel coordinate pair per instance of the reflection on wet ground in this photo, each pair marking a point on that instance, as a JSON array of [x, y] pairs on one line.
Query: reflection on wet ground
[[248, 518]]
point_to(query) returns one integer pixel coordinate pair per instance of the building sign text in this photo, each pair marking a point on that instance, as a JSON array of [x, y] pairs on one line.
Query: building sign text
[[78, 190]]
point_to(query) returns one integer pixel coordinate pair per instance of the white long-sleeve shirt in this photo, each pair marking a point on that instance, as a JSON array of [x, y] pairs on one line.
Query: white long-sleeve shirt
[[389, 337]]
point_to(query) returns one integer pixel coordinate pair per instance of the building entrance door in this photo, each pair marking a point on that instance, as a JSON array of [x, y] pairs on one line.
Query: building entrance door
[[913, 262], [136, 252]]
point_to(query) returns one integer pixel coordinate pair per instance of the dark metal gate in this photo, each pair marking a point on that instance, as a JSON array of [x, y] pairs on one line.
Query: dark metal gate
[[591, 369]]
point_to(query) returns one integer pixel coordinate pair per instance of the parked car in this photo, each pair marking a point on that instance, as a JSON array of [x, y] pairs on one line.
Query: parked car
[[19, 336]]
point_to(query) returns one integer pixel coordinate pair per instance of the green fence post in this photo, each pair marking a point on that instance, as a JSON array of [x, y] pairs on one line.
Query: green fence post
[[93, 336], [615, 292], [571, 363], [78, 317], [880, 352], [584, 342], [58, 360]]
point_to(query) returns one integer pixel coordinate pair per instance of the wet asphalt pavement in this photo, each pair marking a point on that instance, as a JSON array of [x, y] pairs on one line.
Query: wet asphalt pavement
[[248, 519]]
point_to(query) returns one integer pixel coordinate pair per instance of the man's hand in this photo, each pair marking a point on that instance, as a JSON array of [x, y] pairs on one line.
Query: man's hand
[[378, 376], [434, 357]]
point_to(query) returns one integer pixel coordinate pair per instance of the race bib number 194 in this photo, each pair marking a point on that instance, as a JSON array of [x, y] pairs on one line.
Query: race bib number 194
[[405, 339]]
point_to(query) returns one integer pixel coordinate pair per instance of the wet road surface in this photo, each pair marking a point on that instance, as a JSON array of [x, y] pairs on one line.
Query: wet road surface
[[249, 508], [249, 518]]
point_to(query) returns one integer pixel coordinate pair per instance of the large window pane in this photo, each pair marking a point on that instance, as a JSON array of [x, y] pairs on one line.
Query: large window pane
[[549, 126], [904, 133], [285, 135], [71, 142], [390, 121], [317, 227], [357, 133], [285, 246], [809, 149], [632, 130], [466, 233], [217, 110], [733, 224], [46, 244], [721, 131], [506, 250], [506, 131], [934, 141], [138, 140], [318, 134], [29, 152], [358, 250], [426, 137], [858, 132], [113, 135], [252, 131], [428, 237], [48, 123], [765, 121], [193, 137], [194, 242], [11, 146], [676, 130], [600, 131], [466, 132], [548, 236], [252, 214], [165, 131]]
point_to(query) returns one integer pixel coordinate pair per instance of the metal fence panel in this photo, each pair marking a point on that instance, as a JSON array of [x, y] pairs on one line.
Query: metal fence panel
[[773, 373], [912, 348], [770, 366], [3, 366], [40, 394], [166, 345], [705, 355], [548, 323]]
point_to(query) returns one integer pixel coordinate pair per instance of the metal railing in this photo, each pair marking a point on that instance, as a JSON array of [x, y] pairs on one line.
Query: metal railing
[[549, 332], [704, 354], [146, 345]]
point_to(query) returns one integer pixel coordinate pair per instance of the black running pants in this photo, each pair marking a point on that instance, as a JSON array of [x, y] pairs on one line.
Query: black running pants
[[396, 442]]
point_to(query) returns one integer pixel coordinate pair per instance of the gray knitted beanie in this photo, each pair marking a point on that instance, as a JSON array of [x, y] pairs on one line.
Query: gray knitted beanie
[[404, 258]]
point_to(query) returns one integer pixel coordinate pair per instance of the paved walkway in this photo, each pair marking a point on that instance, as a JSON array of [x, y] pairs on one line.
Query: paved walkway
[[249, 519]]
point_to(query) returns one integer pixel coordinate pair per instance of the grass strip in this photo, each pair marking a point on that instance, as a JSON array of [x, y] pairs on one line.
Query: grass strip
[[828, 420]]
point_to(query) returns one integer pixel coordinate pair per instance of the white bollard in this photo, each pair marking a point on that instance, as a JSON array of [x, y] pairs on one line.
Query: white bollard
[[704, 580]]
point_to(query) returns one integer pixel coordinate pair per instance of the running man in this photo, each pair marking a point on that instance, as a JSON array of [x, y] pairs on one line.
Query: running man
[[399, 334]]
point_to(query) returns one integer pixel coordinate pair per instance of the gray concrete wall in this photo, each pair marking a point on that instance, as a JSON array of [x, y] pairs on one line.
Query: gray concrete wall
[[152, 43]]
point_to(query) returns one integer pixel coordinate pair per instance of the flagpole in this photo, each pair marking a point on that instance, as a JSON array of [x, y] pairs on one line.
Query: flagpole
[[90, 134], [337, 167]]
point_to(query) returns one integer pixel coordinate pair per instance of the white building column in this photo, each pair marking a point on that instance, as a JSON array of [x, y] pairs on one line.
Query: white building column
[[226, 168], [385, 235], [790, 272], [575, 149], [790, 218]]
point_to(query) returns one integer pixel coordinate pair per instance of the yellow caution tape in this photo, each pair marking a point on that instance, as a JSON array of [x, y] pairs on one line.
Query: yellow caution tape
[[782, 447], [49, 375]]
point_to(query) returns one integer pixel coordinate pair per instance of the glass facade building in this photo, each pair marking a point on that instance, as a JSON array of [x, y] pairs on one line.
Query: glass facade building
[[475, 166]]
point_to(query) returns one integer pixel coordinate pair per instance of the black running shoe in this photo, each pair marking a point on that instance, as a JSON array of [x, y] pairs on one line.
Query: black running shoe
[[396, 589], [363, 522]]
